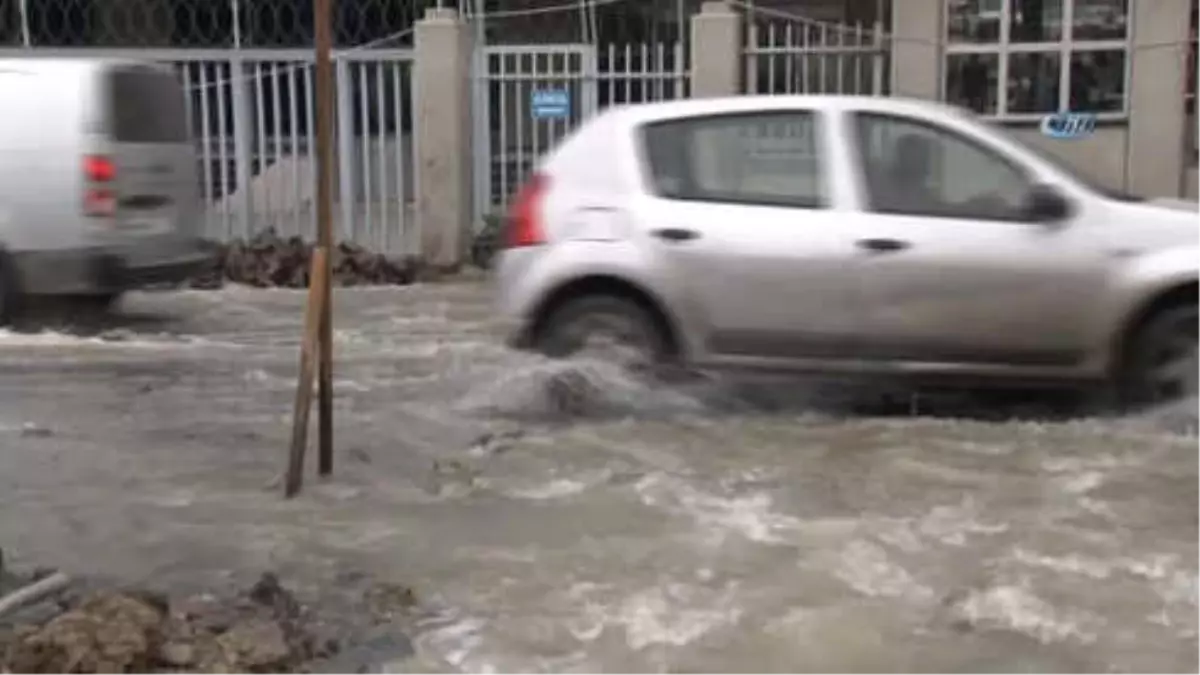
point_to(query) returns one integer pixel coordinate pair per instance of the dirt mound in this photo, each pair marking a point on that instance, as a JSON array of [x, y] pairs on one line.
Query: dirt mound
[[268, 260], [263, 629]]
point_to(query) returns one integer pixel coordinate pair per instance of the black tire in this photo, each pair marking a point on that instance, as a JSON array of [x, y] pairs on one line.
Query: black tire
[[101, 302], [10, 291], [638, 340], [1160, 360]]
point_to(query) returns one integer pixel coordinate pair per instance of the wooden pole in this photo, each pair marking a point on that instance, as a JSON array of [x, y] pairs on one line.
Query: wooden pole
[[304, 388], [324, 93]]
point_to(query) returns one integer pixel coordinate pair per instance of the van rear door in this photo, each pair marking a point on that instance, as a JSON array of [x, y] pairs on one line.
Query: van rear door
[[153, 161]]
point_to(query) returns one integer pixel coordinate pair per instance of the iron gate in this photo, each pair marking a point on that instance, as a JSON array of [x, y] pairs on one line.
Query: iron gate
[[526, 99]]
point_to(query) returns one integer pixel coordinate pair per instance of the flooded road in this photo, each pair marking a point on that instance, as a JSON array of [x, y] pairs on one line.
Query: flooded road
[[686, 529]]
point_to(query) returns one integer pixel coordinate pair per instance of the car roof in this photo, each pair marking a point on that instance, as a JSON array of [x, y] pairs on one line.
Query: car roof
[[642, 113]]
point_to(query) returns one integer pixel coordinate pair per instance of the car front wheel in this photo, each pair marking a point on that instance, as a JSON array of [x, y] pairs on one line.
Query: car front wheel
[[605, 328]]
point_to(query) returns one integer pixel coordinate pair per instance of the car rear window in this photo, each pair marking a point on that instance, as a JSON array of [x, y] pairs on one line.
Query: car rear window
[[145, 106], [767, 158]]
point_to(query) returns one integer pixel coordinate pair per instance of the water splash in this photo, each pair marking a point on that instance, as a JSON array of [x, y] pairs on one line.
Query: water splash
[[1178, 417], [556, 389]]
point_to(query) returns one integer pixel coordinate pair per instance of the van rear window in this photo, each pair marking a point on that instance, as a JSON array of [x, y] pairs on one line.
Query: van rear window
[[146, 106]]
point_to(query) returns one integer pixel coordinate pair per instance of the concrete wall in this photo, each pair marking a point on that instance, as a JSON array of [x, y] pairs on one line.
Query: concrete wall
[[916, 59], [1191, 183], [716, 37], [1157, 134], [442, 77]]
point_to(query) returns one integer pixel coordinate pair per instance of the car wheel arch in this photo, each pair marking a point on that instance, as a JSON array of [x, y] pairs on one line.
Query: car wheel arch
[[1144, 311], [611, 285]]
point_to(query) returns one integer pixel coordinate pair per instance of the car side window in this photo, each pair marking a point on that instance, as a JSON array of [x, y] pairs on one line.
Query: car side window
[[769, 159], [918, 168]]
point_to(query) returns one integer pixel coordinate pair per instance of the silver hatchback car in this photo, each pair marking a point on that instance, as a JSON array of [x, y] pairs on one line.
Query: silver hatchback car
[[847, 235]]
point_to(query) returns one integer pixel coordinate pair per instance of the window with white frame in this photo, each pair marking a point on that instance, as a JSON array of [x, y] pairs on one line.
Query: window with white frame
[[1017, 59]]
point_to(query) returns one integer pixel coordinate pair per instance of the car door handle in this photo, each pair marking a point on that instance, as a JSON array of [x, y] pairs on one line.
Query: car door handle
[[674, 234], [883, 245]]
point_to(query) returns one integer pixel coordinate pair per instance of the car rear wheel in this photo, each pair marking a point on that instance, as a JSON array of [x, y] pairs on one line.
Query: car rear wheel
[[605, 328], [91, 304], [101, 302], [1161, 361]]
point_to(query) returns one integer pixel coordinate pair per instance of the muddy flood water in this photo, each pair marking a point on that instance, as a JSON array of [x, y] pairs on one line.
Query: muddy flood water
[[710, 527]]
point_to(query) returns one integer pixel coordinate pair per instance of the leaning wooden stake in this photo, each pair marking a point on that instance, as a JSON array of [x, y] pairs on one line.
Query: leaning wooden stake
[[304, 387]]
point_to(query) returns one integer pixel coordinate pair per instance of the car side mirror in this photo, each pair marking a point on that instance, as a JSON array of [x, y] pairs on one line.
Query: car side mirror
[[1046, 204]]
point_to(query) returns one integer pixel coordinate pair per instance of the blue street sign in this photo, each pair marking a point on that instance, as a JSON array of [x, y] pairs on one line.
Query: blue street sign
[[550, 104], [1068, 125]]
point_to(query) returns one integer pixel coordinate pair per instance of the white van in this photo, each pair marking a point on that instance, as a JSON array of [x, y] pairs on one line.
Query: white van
[[98, 179]]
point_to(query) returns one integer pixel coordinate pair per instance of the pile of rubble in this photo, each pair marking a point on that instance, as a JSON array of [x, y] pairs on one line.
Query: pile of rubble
[[269, 260], [487, 241], [263, 629]]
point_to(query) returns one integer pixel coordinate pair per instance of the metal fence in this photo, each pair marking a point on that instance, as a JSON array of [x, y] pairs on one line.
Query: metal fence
[[252, 115], [792, 55], [514, 133], [641, 73], [510, 135], [591, 54], [247, 66], [289, 23], [248, 69], [200, 23]]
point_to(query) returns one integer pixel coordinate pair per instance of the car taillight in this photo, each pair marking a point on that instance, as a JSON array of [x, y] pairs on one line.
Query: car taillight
[[99, 200], [524, 218]]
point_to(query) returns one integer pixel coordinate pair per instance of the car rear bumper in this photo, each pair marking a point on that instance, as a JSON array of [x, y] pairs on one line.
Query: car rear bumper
[[514, 298], [117, 273], [162, 262]]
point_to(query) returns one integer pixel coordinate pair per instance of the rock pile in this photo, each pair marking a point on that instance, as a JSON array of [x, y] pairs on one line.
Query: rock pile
[[263, 629], [51, 623], [269, 260], [487, 241]]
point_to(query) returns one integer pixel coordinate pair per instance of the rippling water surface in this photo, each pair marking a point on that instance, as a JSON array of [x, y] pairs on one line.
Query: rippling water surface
[[560, 516]]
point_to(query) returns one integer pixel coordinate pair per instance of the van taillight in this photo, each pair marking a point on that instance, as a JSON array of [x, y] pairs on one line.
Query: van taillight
[[524, 218], [99, 200], [99, 169]]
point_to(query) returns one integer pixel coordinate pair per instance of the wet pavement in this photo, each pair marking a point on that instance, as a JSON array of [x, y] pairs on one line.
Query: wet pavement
[[683, 529]]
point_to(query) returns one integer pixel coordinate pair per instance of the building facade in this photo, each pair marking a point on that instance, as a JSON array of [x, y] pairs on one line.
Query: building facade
[[1131, 63]]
